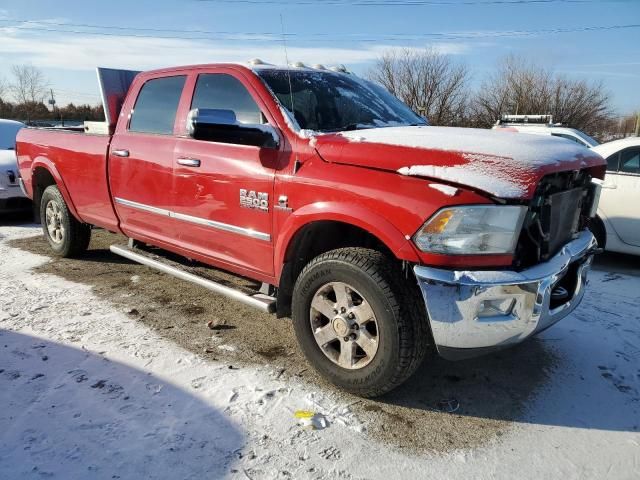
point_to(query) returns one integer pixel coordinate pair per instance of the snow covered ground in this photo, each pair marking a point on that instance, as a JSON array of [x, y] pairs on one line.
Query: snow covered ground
[[88, 392]]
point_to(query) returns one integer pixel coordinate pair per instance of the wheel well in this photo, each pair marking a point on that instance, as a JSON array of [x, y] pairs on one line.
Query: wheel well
[[597, 227], [41, 179], [312, 240]]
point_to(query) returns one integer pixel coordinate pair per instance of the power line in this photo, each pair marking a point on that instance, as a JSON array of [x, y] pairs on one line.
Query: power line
[[275, 37], [406, 3], [118, 27], [279, 34]]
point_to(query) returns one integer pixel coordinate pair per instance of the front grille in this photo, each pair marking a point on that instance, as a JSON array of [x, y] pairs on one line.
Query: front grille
[[558, 212]]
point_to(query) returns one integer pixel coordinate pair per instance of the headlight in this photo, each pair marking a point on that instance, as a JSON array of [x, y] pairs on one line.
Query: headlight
[[472, 230]]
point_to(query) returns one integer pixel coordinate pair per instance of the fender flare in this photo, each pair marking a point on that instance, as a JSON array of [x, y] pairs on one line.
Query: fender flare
[[43, 162], [348, 213]]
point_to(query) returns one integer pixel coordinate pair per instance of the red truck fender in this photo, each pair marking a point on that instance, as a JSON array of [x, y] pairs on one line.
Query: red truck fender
[[347, 213], [49, 166]]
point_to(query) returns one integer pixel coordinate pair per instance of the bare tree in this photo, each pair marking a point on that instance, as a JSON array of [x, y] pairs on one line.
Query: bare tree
[[3, 89], [519, 87], [29, 87], [429, 82], [619, 127]]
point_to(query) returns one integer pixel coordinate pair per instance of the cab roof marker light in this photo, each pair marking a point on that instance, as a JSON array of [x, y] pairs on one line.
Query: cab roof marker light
[[339, 68]]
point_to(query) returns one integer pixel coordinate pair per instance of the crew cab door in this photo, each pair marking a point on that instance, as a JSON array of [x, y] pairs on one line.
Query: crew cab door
[[621, 194], [141, 159], [213, 180]]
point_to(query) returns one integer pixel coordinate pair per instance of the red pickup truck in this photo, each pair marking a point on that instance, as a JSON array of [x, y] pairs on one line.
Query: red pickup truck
[[380, 236]]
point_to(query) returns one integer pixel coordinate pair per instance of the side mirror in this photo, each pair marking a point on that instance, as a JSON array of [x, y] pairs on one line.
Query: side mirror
[[217, 125]]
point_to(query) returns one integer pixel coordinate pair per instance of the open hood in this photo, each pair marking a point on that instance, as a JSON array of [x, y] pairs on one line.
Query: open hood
[[502, 164]]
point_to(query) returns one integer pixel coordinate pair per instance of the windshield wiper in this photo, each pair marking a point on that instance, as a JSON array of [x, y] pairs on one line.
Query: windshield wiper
[[349, 127], [361, 126]]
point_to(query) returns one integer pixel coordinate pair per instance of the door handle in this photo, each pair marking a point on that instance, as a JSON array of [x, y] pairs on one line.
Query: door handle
[[189, 162], [610, 186], [120, 153]]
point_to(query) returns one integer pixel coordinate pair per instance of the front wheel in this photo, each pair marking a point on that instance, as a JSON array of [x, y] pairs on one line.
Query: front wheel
[[359, 321], [67, 236]]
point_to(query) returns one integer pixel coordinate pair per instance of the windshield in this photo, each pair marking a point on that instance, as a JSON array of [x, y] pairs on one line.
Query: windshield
[[331, 102], [8, 132], [591, 142]]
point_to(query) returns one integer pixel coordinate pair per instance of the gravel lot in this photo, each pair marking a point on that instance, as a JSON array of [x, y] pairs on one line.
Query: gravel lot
[[565, 381], [489, 388]]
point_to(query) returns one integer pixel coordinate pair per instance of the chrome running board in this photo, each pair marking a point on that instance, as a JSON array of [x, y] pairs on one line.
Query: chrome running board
[[260, 301]]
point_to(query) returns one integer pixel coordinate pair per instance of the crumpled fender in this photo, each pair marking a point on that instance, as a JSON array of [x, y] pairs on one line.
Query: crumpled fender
[[348, 213]]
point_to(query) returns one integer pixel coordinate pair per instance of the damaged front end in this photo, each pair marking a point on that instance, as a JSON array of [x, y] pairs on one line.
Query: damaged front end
[[472, 313]]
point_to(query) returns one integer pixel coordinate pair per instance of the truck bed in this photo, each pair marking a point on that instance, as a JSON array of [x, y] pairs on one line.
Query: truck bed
[[79, 160]]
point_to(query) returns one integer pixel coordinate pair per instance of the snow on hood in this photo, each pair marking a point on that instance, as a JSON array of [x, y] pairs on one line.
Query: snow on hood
[[503, 164]]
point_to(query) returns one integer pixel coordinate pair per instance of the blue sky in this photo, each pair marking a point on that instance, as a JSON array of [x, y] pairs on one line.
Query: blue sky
[[160, 33]]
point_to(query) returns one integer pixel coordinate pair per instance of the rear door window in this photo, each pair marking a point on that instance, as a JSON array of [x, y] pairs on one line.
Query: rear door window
[[156, 106]]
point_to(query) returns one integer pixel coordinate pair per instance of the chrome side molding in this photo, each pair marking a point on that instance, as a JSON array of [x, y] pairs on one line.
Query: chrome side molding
[[247, 232]]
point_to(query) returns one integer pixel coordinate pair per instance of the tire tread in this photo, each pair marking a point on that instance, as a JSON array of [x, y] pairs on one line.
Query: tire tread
[[405, 299], [79, 233]]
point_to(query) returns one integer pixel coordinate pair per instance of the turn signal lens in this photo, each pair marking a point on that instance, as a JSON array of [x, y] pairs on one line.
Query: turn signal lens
[[438, 223]]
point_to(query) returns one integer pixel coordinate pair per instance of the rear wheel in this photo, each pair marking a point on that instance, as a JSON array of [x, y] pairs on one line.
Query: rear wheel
[[359, 321], [67, 236]]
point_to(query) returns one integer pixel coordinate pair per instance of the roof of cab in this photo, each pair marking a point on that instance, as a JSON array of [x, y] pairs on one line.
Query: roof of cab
[[608, 148], [201, 66], [253, 66]]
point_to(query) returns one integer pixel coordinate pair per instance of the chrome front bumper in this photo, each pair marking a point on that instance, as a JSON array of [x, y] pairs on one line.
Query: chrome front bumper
[[472, 313]]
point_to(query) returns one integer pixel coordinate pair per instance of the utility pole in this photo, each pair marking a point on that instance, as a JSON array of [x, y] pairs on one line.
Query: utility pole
[[52, 102]]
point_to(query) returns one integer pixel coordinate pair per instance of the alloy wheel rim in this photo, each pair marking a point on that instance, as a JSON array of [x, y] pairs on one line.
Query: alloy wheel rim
[[344, 325], [53, 219]]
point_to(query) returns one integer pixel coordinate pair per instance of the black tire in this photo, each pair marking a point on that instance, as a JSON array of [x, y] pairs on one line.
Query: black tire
[[599, 231], [74, 236], [402, 325]]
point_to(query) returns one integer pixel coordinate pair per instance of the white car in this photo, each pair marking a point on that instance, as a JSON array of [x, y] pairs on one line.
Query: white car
[[617, 226], [543, 125], [12, 198]]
